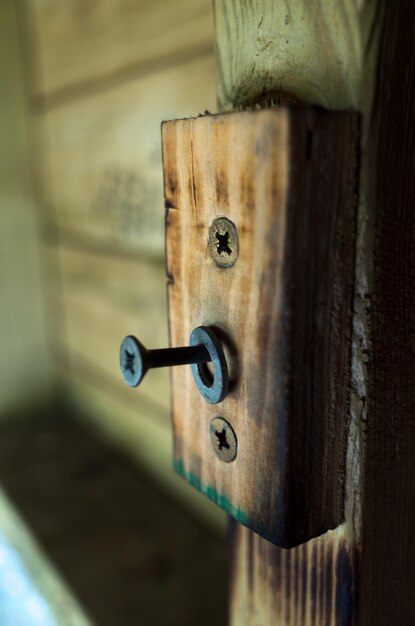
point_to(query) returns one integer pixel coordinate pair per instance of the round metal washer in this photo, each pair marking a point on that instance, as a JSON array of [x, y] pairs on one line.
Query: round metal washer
[[213, 389]]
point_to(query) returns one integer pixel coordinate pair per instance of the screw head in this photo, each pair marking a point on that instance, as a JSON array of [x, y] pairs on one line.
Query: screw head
[[223, 242], [223, 439], [133, 360]]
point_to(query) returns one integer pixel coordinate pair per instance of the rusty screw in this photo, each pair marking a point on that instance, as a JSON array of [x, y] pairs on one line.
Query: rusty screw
[[223, 242], [223, 439]]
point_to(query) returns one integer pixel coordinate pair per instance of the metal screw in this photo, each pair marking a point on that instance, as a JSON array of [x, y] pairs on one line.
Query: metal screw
[[223, 242], [136, 360], [205, 347], [223, 439]]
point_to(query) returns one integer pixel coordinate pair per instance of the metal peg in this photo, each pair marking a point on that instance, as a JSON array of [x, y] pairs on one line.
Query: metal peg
[[136, 360]]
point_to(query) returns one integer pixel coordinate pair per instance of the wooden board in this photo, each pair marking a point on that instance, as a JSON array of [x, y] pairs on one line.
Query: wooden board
[[82, 46], [100, 158], [287, 179], [99, 299]]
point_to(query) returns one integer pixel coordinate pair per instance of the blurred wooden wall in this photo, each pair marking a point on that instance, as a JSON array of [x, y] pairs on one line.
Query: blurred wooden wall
[[101, 77], [24, 363]]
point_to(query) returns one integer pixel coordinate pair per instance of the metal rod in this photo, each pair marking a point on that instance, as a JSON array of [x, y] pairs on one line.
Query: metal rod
[[167, 357]]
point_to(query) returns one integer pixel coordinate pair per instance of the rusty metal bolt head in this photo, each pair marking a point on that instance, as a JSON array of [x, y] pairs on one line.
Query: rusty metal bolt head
[[223, 242], [223, 439]]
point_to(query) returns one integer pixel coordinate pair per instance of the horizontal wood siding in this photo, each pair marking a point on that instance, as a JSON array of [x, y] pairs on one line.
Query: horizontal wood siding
[[101, 299], [101, 173], [80, 45]]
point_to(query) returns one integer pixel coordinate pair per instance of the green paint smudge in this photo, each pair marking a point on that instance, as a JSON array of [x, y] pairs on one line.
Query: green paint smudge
[[219, 498]]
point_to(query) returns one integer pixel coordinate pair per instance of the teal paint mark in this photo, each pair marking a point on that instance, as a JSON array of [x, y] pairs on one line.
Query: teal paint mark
[[219, 498]]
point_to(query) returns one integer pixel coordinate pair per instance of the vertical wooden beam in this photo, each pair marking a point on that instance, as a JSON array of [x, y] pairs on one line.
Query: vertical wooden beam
[[388, 485], [325, 52]]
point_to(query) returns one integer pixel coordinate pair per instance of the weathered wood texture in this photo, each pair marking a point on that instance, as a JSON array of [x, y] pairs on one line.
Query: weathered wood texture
[[322, 52], [101, 178], [311, 51], [311, 585], [287, 179], [83, 46]]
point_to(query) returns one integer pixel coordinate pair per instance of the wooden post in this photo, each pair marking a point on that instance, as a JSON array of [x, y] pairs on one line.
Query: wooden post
[[360, 56]]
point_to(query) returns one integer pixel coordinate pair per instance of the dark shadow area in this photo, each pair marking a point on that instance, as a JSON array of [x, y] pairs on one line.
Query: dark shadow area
[[130, 554]]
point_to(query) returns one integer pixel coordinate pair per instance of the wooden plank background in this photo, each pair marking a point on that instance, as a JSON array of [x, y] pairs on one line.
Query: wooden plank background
[[103, 76], [25, 371], [81, 46], [101, 173]]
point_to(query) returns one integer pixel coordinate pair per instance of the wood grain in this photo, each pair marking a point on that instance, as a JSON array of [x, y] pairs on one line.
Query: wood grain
[[310, 51], [98, 300], [81, 47], [311, 585], [99, 158], [284, 309]]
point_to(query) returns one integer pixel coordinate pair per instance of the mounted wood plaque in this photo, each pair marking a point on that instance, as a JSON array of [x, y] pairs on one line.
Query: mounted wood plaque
[[274, 279]]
